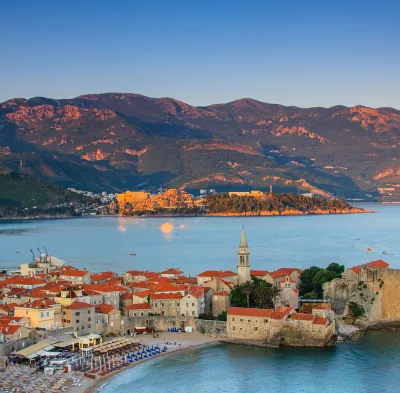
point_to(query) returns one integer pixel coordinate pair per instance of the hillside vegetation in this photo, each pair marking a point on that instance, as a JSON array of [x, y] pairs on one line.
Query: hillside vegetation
[[275, 203], [22, 195]]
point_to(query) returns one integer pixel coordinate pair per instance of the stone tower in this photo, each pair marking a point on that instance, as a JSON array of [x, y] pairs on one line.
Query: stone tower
[[243, 260]]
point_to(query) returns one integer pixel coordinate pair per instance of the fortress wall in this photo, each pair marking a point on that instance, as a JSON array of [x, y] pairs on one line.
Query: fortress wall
[[390, 295]]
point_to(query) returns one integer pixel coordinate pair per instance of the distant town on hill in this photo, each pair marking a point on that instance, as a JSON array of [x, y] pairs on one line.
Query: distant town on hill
[[123, 141]]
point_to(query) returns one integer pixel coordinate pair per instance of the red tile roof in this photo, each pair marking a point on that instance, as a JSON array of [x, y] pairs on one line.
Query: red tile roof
[[162, 288], [302, 317], [166, 296], [142, 294], [104, 308], [7, 319], [320, 321], [9, 329], [40, 304], [23, 281], [250, 312], [222, 293], [126, 295], [105, 288], [77, 305], [379, 263], [322, 306], [74, 273], [102, 276], [258, 273], [217, 273], [172, 271], [196, 294], [139, 306], [284, 271]]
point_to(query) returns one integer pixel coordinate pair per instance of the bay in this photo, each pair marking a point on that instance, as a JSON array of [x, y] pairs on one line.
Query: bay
[[370, 365], [195, 244]]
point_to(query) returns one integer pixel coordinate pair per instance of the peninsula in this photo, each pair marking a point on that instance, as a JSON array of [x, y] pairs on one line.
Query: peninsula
[[252, 203]]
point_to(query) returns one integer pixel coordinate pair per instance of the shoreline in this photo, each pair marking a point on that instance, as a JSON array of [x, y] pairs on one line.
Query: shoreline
[[246, 214], [194, 341]]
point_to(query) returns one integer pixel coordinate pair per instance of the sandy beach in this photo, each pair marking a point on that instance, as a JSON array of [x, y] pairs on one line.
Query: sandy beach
[[186, 340]]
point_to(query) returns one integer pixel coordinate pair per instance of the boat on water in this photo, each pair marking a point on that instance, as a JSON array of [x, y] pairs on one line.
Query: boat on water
[[132, 254]]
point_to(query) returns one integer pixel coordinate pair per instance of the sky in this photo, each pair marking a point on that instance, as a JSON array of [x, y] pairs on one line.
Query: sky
[[303, 53]]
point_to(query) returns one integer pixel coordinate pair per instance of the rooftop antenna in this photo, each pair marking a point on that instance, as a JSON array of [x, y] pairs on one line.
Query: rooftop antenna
[[40, 254], [33, 255]]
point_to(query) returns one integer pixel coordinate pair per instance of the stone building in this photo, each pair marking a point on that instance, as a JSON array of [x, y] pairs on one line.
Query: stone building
[[137, 310], [167, 304], [111, 319], [221, 301], [75, 276], [81, 317], [192, 304]]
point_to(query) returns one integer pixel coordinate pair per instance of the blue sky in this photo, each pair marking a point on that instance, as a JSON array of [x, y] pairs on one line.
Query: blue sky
[[304, 53]]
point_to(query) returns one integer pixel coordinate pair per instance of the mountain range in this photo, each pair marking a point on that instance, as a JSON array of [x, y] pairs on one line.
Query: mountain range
[[121, 141]]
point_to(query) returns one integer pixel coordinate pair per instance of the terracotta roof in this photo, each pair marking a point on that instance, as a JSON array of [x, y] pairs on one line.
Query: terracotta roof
[[9, 307], [296, 291], [171, 271], [217, 273], [105, 288], [222, 293], [166, 296], [23, 281], [77, 305], [379, 263], [102, 276], [196, 294], [258, 273], [302, 317], [323, 306], [115, 281], [39, 304], [142, 273], [9, 329], [138, 306], [290, 280], [6, 319], [168, 288], [74, 273], [279, 314], [320, 321], [284, 271], [104, 308], [126, 295], [250, 312], [142, 294], [139, 284]]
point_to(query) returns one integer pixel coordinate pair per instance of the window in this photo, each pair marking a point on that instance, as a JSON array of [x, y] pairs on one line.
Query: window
[[48, 314], [26, 312], [83, 327], [192, 312], [241, 319], [233, 319], [89, 319], [116, 316], [177, 304], [77, 313], [77, 321], [248, 320], [141, 314], [90, 326], [192, 304], [41, 315], [162, 312], [88, 311], [77, 329], [187, 304], [234, 328], [134, 314], [162, 304], [256, 329]]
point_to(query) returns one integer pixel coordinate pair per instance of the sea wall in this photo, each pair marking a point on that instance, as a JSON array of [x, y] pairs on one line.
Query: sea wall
[[7, 348], [211, 328], [161, 323]]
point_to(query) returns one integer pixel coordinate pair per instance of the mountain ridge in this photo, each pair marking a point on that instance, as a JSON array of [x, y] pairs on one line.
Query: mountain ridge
[[119, 140]]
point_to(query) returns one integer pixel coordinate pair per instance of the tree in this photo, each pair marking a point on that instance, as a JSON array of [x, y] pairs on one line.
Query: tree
[[335, 267], [238, 299], [306, 278], [311, 295], [222, 316], [247, 289], [321, 278]]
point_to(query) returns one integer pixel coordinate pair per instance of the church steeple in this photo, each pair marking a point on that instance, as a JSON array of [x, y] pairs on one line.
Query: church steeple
[[243, 240], [243, 259]]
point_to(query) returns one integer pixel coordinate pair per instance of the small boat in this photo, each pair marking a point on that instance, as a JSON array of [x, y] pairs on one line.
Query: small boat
[[384, 253], [369, 249], [132, 254]]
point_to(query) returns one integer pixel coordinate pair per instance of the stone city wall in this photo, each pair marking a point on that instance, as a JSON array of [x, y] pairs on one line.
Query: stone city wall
[[159, 322], [8, 347], [211, 328]]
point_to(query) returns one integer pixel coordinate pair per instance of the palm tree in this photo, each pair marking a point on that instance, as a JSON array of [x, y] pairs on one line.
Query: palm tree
[[247, 289]]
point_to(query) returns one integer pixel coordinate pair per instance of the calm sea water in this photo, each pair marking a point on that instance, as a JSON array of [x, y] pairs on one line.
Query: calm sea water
[[197, 244], [371, 365]]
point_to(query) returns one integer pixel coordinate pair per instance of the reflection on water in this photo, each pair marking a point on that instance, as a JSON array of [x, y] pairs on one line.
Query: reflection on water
[[368, 366], [16, 231]]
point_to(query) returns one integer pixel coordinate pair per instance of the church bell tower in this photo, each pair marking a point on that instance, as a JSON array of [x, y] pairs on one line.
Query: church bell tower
[[243, 260]]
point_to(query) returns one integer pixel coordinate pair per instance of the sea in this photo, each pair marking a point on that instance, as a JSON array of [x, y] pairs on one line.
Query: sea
[[195, 244], [370, 365]]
